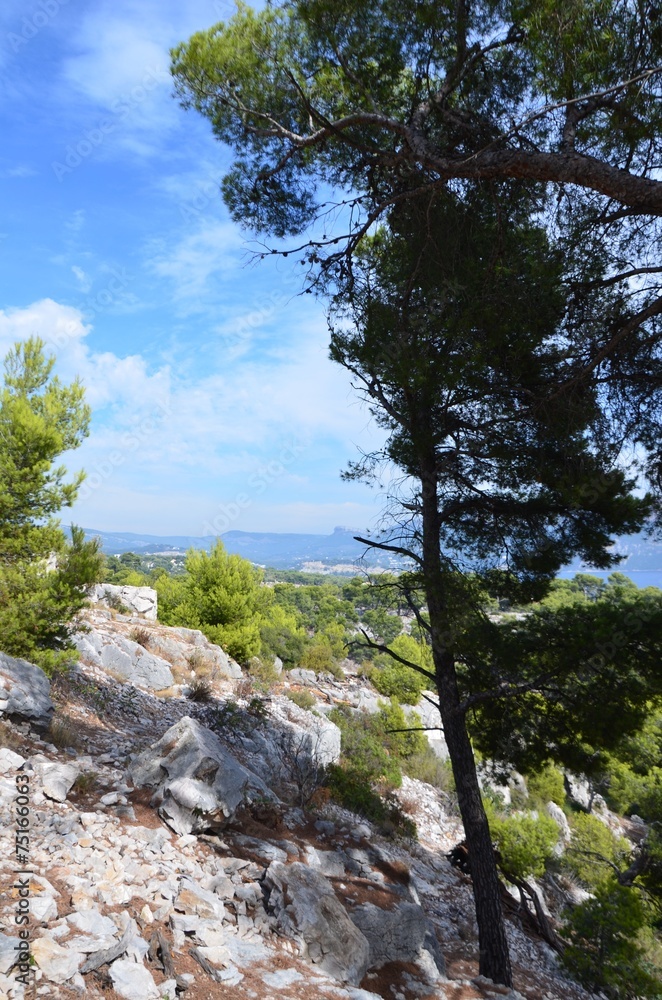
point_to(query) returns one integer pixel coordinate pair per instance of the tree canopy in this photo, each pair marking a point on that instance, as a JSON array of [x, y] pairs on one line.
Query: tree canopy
[[42, 578], [476, 189]]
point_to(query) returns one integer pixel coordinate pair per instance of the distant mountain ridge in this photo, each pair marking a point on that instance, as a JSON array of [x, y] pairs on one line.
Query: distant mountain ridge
[[292, 550], [268, 548]]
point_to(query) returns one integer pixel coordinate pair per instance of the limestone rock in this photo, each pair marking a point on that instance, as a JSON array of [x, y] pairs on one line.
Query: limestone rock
[[57, 963], [578, 790], [193, 898], [561, 820], [430, 718], [120, 655], [301, 676], [282, 978], [56, 779], [214, 654], [306, 909], [138, 600], [133, 981], [305, 733], [25, 691], [403, 934], [8, 952], [10, 761], [198, 784]]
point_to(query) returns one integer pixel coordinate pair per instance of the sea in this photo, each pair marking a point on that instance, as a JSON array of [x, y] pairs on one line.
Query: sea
[[642, 578]]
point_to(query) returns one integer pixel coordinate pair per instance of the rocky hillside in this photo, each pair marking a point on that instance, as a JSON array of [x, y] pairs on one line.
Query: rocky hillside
[[183, 848]]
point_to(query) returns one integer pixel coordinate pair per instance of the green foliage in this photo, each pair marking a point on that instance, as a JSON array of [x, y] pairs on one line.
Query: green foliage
[[282, 636], [200, 689], [384, 626], [546, 786], [351, 789], [315, 607], [318, 656], [263, 673], [39, 420], [304, 699], [376, 746], [426, 766], [526, 842], [605, 951], [592, 850], [221, 595], [364, 750], [600, 664], [395, 680]]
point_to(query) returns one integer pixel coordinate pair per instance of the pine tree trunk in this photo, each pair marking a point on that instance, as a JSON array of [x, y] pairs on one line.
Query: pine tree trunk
[[494, 955]]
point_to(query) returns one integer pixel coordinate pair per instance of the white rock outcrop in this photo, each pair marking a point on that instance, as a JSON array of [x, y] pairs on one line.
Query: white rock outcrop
[[25, 691], [198, 785], [307, 910], [119, 655], [138, 600]]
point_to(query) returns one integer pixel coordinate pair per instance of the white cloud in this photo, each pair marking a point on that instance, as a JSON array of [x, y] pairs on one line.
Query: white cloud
[[83, 279], [201, 259], [219, 432], [19, 171], [109, 380], [118, 65]]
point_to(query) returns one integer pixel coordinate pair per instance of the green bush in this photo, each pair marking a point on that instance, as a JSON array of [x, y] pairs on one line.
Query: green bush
[[526, 843], [546, 786], [604, 951], [263, 674], [221, 594], [592, 842], [426, 766], [304, 699], [363, 748], [281, 636], [319, 657], [395, 680], [350, 789]]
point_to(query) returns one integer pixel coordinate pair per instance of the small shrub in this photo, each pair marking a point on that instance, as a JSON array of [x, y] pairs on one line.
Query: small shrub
[[350, 789], [363, 748], [244, 688], [263, 674], [546, 786], [200, 689], [257, 709], [62, 733], [592, 850], [114, 601], [8, 738], [86, 781], [426, 766], [229, 718], [304, 699], [200, 663], [604, 952], [526, 843], [140, 635], [319, 658]]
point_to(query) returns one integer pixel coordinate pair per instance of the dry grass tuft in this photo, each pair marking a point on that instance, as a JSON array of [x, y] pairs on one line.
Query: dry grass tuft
[[63, 733], [8, 738], [140, 635], [200, 689]]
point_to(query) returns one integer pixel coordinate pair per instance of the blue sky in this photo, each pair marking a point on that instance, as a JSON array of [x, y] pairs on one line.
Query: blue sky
[[214, 403]]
